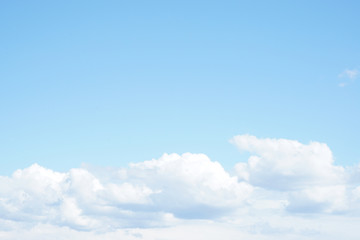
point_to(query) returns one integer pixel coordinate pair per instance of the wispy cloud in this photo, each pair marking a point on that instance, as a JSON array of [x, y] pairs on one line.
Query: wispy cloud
[[349, 75]]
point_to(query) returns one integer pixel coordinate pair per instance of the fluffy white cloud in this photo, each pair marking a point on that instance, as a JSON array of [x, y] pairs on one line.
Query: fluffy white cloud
[[76, 199], [145, 194], [305, 172], [281, 179], [283, 164], [190, 185]]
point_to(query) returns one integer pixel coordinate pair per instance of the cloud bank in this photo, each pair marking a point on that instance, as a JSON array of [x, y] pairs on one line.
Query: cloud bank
[[282, 180]]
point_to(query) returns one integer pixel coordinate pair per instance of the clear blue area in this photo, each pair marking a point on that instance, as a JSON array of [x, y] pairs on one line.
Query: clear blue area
[[113, 82]]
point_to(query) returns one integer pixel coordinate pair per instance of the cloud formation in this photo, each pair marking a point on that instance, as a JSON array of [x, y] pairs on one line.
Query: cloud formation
[[305, 172], [287, 164], [190, 182], [145, 194], [281, 178]]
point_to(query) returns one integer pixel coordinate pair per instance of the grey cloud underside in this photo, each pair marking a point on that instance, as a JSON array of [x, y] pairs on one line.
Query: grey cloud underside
[[281, 176]]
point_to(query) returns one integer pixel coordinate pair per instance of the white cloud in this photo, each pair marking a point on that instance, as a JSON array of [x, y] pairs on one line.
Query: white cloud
[[145, 194], [350, 74], [250, 228], [319, 199], [283, 164], [76, 199], [190, 195], [190, 180], [305, 172]]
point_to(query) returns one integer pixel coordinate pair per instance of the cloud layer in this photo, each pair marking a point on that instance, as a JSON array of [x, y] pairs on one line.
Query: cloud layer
[[281, 178]]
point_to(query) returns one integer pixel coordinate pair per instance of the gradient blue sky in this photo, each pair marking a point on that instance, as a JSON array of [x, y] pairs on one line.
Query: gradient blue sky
[[113, 82]]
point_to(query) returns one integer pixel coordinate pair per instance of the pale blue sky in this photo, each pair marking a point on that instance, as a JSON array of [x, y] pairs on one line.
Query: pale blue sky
[[113, 82]]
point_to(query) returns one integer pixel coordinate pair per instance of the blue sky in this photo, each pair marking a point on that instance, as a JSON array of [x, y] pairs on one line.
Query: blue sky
[[118, 81], [93, 94]]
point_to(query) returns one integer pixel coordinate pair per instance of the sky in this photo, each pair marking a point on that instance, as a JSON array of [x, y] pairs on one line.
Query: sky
[[137, 119]]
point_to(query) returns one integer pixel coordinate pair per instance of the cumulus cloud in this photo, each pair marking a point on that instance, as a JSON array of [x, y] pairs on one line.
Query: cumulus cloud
[[145, 194], [281, 179], [305, 173], [191, 185], [74, 199], [283, 164]]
